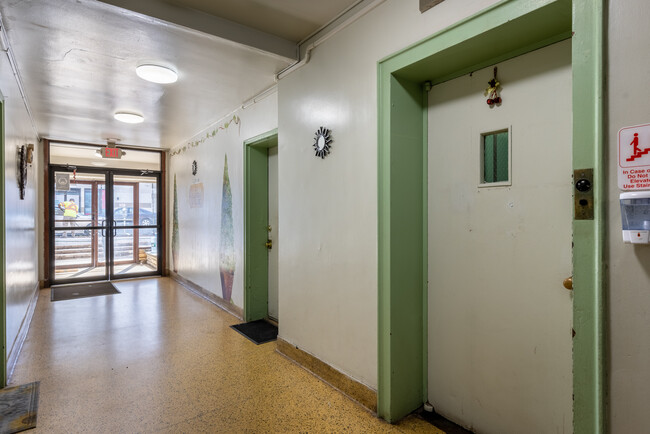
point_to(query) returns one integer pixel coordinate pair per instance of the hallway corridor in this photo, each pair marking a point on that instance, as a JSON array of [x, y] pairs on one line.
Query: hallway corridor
[[157, 358]]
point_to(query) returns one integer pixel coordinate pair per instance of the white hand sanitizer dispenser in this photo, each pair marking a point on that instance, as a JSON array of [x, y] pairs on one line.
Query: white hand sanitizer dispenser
[[635, 216]]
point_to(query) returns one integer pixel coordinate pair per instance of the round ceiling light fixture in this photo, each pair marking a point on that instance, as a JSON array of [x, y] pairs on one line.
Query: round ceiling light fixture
[[156, 73], [129, 118]]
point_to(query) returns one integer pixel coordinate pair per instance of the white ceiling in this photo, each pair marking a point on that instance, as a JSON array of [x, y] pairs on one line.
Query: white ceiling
[[289, 19], [77, 61]]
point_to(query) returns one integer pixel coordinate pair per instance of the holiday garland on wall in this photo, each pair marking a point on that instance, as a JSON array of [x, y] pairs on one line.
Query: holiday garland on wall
[[193, 144]]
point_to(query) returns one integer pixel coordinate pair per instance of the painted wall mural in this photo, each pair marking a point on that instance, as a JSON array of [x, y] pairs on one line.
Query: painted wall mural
[[208, 213], [175, 240], [227, 247]]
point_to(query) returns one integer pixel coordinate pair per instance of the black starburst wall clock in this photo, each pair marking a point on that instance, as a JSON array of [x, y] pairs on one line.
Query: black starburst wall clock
[[323, 142]]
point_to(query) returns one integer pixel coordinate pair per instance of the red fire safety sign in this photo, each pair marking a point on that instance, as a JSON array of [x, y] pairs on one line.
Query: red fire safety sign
[[634, 158]]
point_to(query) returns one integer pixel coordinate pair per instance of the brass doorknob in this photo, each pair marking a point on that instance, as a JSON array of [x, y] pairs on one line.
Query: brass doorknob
[[568, 282], [269, 244]]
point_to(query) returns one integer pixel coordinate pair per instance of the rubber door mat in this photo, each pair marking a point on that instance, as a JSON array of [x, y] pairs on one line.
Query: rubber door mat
[[70, 292], [258, 331]]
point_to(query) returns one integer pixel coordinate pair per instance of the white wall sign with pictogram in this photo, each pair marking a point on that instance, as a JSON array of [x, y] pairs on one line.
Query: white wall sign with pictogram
[[634, 158]]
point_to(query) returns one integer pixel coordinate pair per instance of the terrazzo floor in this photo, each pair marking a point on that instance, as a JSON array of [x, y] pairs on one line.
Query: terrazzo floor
[[157, 358]]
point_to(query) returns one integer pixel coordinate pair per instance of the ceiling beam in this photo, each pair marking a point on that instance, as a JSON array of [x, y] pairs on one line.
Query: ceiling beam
[[211, 25]]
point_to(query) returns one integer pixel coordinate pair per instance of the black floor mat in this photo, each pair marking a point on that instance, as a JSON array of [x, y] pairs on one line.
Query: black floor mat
[[258, 331], [18, 408], [70, 292], [443, 424]]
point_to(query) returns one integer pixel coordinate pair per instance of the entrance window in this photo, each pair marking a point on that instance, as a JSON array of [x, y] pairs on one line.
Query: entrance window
[[495, 159], [65, 154]]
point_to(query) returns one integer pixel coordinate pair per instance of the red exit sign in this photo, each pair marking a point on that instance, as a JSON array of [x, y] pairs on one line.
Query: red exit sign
[[108, 152]]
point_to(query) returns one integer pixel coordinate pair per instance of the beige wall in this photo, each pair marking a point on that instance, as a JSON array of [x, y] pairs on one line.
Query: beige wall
[[199, 228], [21, 215], [328, 215], [328, 208], [628, 75]]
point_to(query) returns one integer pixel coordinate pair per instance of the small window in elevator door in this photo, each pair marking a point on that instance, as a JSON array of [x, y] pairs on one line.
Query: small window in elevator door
[[495, 159]]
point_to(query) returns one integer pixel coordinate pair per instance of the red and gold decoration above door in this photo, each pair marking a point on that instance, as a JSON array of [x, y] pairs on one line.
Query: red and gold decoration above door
[[492, 91]]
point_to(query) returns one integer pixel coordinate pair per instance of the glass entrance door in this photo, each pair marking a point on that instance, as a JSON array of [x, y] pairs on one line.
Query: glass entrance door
[[134, 225], [78, 232], [105, 224]]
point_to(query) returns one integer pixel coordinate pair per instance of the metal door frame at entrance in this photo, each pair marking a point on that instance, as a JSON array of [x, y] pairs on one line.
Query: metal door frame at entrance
[[3, 262], [109, 264], [502, 31]]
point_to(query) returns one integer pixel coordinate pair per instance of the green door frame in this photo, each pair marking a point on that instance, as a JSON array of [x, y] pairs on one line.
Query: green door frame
[[256, 211], [502, 31]]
